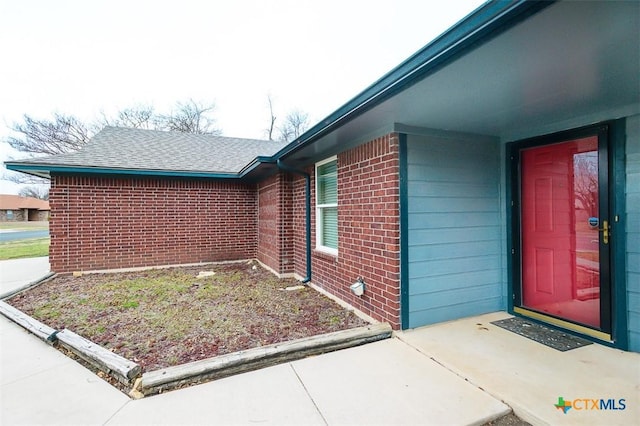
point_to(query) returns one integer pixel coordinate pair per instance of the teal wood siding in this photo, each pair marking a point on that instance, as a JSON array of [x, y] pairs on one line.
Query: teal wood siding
[[633, 231], [454, 228]]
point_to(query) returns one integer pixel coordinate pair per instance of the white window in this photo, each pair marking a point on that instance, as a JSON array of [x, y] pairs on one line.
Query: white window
[[10, 214], [327, 205]]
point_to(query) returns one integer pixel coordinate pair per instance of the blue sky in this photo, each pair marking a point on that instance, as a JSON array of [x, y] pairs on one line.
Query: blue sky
[[84, 57]]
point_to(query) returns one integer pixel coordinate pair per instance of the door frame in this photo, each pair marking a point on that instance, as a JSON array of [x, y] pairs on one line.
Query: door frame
[[614, 132]]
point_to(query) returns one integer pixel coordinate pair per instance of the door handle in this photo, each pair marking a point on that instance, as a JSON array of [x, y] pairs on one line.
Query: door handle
[[605, 231]]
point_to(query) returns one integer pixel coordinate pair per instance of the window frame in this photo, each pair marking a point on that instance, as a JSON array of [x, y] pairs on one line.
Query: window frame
[[320, 208]]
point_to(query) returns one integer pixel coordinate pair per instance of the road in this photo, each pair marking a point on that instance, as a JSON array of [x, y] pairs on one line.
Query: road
[[22, 235]]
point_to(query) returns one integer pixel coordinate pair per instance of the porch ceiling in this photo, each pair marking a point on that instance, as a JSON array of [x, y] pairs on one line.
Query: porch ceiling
[[570, 60]]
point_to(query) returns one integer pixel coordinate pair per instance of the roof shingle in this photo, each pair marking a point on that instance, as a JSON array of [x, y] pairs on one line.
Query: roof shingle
[[140, 149]]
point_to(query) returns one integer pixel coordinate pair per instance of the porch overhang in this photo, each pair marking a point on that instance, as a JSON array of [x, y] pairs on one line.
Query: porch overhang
[[508, 70]]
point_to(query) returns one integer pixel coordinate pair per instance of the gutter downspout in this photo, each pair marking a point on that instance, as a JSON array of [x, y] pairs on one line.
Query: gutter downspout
[[307, 203]]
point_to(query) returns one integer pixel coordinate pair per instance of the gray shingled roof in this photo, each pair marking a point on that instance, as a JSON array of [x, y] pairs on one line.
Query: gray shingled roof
[[139, 149]]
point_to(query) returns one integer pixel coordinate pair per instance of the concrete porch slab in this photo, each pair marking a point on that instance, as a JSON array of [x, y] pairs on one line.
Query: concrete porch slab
[[529, 376]]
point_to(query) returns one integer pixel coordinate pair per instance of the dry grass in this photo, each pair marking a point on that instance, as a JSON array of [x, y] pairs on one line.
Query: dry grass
[[167, 317]]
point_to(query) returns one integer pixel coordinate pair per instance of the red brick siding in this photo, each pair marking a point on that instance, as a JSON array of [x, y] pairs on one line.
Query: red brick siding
[[275, 240], [268, 223], [368, 230], [286, 230], [104, 222], [298, 215]]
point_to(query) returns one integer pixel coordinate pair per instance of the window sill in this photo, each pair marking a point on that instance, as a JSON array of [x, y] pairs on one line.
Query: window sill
[[320, 254]]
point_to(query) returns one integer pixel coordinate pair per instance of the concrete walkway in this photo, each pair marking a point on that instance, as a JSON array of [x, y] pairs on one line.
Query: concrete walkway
[[17, 272], [387, 382], [454, 373]]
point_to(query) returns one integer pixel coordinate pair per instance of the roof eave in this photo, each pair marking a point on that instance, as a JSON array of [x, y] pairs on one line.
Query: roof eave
[[40, 173], [45, 170]]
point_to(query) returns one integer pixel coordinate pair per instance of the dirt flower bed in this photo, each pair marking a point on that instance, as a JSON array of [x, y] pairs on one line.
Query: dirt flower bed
[[165, 317]]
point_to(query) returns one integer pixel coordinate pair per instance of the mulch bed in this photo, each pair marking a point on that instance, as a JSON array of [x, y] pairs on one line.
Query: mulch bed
[[165, 317]]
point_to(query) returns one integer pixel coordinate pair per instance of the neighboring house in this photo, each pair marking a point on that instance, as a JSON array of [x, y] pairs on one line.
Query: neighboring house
[[498, 168], [14, 208]]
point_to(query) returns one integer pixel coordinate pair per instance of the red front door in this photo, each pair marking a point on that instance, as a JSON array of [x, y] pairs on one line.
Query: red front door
[[562, 230]]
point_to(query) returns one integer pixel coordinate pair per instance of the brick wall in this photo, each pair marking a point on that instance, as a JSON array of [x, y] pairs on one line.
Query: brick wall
[[368, 230], [105, 223], [298, 225], [16, 216], [275, 239]]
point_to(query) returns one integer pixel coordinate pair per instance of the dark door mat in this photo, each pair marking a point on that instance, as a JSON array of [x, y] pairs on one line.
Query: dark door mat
[[547, 336]]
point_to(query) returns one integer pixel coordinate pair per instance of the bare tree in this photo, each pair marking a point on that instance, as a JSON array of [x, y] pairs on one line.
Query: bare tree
[[65, 133], [23, 179], [41, 193], [139, 117], [294, 125], [586, 181], [190, 117], [273, 118]]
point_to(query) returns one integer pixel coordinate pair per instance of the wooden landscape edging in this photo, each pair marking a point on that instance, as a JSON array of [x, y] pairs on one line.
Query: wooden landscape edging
[[32, 325], [103, 359], [111, 363], [157, 381]]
